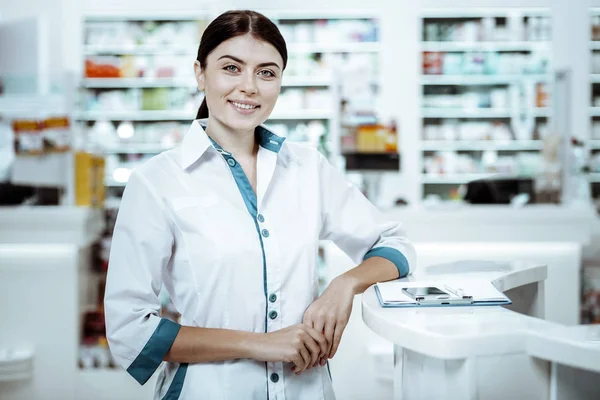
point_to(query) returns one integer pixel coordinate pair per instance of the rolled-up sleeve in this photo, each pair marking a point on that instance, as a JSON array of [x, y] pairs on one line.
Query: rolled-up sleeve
[[357, 227], [140, 252]]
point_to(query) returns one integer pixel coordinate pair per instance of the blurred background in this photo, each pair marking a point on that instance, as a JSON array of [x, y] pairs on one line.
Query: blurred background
[[476, 123]]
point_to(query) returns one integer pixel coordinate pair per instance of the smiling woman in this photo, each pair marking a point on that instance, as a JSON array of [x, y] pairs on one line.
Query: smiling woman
[[241, 79], [229, 222], [240, 62]]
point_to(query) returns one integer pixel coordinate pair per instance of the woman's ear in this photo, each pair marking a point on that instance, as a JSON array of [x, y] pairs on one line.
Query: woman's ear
[[199, 73]]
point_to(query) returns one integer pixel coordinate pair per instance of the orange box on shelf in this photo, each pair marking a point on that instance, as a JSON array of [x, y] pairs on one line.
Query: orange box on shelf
[[56, 134], [376, 138], [29, 138]]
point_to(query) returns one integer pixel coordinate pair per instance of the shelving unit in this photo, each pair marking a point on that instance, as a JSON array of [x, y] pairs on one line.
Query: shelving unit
[[340, 45], [508, 145], [126, 68], [127, 83], [486, 99], [511, 46], [594, 111], [174, 115]]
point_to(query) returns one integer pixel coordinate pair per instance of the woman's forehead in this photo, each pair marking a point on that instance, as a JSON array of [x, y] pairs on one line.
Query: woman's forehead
[[248, 49]]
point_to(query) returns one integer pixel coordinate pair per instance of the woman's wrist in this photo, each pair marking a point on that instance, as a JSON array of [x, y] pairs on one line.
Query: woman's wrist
[[350, 281], [250, 344]]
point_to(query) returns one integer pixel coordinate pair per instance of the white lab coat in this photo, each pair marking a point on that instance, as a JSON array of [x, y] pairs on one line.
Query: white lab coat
[[232, 259]]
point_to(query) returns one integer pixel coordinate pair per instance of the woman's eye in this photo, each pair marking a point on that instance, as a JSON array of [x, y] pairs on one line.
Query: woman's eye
[[231, 68], [267, 73]]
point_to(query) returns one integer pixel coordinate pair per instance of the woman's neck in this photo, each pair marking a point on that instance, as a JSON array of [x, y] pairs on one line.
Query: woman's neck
[[241, 144]]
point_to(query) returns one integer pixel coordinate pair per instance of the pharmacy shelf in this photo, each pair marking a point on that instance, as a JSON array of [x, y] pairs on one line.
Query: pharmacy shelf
[[357, 47], [594, 111], [459, 179], [484, 46], [594, 144], [112, 203], [320, 14], [595, 177], [480, 12], [136, 148], [167, 115], [146, 115], [595, 78], [465, 113], [128, 83], [307, 81], [140, 15], [595, 45], [481, 80], [541, 112], [508, 145], [139, 50], [300, 115], [109, 182]]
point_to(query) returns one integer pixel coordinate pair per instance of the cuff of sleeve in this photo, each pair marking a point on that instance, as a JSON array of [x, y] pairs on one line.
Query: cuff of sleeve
[[391, 254], [153, 353]]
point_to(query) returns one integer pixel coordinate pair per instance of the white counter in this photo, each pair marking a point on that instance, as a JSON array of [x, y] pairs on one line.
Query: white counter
[[485, 352], [50, 224], [497, 223], [46, 283]]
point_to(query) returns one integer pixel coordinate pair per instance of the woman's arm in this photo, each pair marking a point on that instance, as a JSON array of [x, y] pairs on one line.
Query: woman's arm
[[377, 245], [331, 311], [369, 272], [299, 344]]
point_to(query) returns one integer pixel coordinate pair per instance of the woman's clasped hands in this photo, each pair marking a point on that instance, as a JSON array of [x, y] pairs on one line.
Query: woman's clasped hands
[[317, 338]]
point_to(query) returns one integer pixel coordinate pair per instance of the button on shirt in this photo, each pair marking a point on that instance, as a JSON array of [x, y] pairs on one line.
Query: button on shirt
[[231, 258]]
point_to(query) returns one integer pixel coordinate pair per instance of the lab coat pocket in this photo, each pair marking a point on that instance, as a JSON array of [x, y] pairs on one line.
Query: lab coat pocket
[[196, 241]]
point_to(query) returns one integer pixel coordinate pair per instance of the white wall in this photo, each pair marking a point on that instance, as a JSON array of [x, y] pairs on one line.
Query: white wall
[[55, 13]]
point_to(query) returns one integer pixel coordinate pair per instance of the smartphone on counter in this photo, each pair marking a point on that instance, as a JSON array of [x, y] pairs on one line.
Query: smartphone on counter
[[433, 295]]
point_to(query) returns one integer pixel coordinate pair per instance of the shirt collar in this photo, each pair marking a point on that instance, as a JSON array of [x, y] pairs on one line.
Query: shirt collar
[[196, 142]]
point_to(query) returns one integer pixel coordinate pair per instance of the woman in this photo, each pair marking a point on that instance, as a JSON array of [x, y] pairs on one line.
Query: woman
[[229, 222]]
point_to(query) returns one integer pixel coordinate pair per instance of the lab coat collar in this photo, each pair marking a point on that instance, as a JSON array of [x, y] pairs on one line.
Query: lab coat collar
[[196, 142]]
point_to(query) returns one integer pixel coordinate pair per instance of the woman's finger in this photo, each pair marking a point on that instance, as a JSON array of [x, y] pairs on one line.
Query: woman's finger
[[319, 338], [313, 349], [305, 358], [337, 337]]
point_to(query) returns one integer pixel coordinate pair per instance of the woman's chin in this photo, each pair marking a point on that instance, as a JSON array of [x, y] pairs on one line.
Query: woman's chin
[[244, 123]]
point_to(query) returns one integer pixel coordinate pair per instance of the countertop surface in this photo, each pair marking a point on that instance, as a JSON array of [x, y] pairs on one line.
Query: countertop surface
[[460, 332]]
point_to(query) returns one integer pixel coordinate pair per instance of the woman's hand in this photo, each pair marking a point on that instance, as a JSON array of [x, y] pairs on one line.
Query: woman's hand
[[298, 344], [330, 313]]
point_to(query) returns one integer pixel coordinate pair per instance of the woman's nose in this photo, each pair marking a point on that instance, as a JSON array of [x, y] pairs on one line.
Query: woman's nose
[[248, 84]]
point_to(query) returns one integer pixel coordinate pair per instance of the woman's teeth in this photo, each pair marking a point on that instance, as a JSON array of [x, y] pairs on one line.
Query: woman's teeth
[[244, 106]]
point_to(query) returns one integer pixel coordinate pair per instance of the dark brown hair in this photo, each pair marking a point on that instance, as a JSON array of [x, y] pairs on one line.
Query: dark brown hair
[[237, 23]]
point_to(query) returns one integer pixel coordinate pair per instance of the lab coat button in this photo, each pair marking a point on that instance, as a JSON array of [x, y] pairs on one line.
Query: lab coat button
[[260, 218], [273, 298], [274, 378], [273, 314], [231, 162], [265, 233]]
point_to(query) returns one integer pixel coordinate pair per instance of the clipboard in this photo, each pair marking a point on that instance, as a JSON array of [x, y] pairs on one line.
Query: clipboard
[[396, 294]]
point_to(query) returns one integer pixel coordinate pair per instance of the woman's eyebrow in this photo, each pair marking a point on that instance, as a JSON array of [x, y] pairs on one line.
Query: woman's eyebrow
[[266, 64]]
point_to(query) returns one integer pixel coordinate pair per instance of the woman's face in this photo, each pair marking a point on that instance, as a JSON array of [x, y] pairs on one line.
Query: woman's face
[[241, 82]]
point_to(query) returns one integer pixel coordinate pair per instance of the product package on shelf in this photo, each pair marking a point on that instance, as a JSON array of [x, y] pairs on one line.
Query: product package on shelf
[[39, 136], [89, 180]]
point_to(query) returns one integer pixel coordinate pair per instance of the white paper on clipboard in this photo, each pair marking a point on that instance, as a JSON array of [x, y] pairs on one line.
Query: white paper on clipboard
[[481, 291]]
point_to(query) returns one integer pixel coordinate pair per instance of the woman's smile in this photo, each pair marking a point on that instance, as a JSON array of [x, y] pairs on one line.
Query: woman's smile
[[244, 107]]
